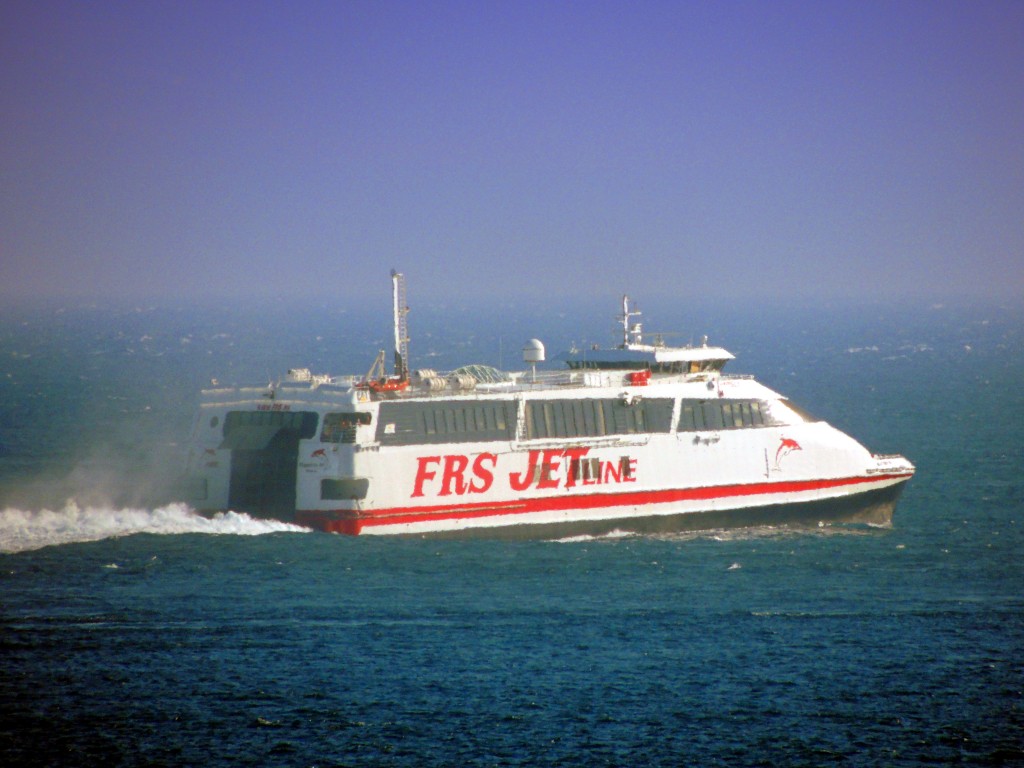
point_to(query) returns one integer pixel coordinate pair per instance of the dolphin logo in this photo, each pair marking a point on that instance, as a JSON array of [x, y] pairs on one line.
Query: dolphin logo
[[786, 447]]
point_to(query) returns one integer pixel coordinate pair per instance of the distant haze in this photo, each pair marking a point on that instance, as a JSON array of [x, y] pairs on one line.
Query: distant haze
[[754, 151]]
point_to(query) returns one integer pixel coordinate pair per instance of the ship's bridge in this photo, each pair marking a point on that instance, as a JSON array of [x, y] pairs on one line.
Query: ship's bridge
[[657, 359], [635, 355]]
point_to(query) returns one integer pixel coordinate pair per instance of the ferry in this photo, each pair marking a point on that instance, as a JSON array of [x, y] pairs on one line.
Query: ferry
[[637, 438]]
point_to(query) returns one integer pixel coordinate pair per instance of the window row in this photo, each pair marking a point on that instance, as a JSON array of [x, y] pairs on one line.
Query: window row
[[412, 423], [678, 366], [480, 418], [423, 423], [596, 418], [701, 415]]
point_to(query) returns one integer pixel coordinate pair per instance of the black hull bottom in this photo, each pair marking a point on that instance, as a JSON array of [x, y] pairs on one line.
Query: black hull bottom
[[871, 507]]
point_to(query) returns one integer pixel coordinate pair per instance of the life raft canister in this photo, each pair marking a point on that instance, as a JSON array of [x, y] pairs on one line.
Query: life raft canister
[[639, 378]]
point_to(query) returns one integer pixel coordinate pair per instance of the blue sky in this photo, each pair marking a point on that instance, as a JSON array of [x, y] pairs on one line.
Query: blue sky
[[739, 151]]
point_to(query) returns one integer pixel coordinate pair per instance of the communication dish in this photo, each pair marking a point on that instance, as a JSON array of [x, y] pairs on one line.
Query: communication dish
[[533, 351]]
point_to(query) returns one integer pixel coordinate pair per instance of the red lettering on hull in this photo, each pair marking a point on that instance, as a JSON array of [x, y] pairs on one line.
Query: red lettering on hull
[[423, 474], [546, 469], [454, 468], [483, 476]]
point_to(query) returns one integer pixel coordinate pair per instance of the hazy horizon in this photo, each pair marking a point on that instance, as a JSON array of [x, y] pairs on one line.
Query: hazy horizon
[[752, 152]]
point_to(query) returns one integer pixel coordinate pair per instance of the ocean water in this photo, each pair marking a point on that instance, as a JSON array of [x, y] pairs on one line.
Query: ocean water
[[135, 633]]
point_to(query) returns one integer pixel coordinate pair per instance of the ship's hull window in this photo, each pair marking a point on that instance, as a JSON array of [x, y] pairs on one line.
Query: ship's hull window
[[423, 423], [342, 488], [693, 366], [713, 415], [596, 418]]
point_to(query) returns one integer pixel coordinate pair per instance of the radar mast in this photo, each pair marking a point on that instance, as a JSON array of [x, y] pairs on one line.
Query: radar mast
[[401, 327], [635, 330]]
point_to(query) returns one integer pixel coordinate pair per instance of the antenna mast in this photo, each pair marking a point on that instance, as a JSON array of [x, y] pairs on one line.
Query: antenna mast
[[626, 328], [401, 328]]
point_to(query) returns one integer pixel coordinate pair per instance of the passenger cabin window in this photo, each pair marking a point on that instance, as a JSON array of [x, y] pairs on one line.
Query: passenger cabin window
[[618, 365], [679, 366], [596, 418], [463, 422], [714, 415]]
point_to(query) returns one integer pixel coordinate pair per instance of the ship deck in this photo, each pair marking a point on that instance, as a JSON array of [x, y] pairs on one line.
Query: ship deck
[[333, 389]]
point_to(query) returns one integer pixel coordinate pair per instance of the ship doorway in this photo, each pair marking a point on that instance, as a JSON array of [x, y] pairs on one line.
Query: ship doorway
[[264, 460]]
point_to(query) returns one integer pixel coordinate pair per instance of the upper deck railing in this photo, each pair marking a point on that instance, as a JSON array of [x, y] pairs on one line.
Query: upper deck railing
[[447, 385]]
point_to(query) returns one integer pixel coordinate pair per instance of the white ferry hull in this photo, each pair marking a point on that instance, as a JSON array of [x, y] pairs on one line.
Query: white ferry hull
[[866, 500], [798, 473]]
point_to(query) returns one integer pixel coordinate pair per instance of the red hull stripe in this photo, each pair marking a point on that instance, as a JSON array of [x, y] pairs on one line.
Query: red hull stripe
[[406, 515]]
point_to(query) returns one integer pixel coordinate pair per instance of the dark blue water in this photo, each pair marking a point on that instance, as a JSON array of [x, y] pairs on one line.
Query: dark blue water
[[134, 633]]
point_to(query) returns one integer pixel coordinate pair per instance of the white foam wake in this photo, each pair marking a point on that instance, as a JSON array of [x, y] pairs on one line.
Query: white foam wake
[[583, 538], [22, 530]]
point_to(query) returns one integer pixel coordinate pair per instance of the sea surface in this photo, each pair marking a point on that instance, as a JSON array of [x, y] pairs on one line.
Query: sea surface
[[134, 632]]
